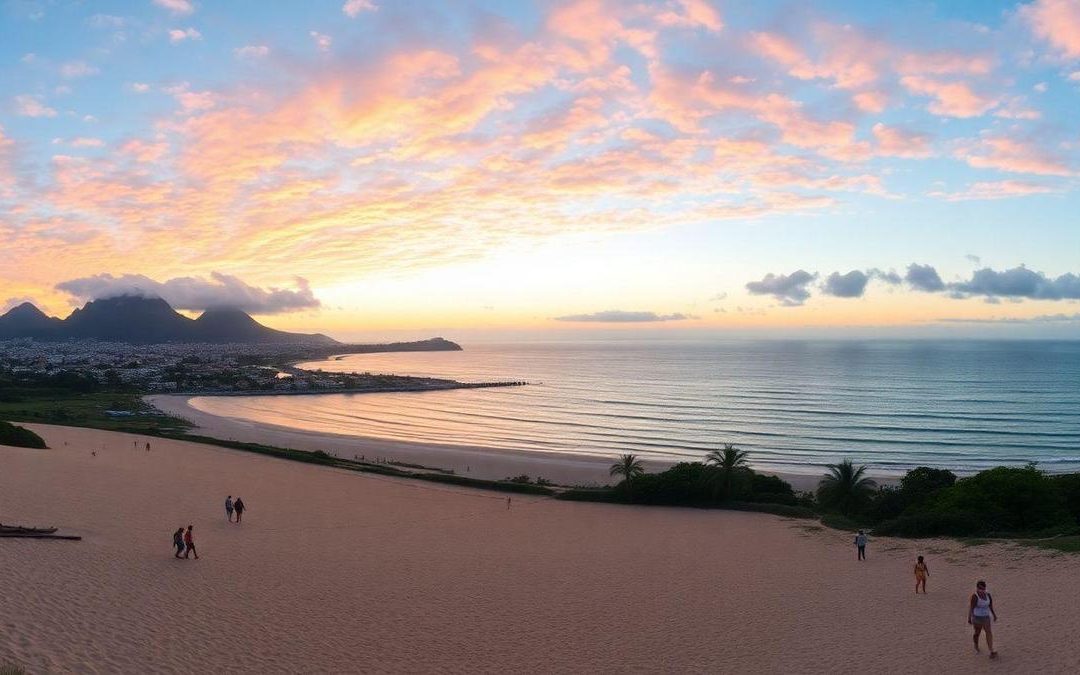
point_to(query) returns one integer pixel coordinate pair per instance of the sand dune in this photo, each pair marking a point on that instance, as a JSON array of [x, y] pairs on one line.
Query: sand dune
[[338, 572]]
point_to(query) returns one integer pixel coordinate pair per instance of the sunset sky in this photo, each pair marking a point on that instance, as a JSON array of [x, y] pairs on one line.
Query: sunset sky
[[680, 165]]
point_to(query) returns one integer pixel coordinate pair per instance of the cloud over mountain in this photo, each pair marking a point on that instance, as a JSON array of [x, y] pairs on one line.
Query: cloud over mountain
[[619, 316], [194, 293]]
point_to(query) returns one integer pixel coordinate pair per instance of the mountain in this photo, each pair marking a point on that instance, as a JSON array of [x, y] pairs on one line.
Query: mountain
[[233, 325], [26, 320], [128, 318], [145, 320]]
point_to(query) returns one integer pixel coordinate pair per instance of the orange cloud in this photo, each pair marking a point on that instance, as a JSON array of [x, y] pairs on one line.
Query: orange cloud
[[952, 99]]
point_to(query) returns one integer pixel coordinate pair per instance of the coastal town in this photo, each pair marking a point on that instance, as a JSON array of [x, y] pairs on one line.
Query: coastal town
[[197, 368]]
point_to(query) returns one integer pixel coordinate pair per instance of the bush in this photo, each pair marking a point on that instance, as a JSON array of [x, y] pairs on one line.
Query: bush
[[933, 524], [1069, 486], [20, 437], [1006, 499], [584, 495]]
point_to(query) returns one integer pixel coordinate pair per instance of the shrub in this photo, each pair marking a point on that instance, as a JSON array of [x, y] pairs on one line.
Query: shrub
[[933, 524], [1006, 499], [1069, 486], [583, 495], [20, 437]]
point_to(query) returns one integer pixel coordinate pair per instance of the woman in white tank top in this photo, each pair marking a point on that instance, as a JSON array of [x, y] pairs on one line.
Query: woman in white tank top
[[980, 611]]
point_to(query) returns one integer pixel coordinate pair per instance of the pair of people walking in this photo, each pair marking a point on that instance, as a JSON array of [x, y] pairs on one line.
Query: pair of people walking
[[237, 507], [184, 541]]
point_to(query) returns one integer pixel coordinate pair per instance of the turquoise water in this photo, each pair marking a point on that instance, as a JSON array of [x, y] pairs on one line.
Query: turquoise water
[[796, 405]]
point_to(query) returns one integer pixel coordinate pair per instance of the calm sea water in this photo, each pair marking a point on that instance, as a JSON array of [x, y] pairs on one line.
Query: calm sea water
[[795, 405]]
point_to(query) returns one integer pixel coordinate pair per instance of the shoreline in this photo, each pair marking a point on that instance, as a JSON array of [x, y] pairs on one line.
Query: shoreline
[[488, 463]]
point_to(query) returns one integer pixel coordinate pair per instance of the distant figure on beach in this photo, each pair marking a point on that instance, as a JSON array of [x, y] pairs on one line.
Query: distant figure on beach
[[860, 543], [507, 503], [239, 506], [178, 541], [148, 446], [189, 543], [229, 507], [921, 572], [980, 611]]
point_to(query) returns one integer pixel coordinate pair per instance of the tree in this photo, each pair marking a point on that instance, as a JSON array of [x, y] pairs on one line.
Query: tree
[[728, 461], [845, 487], [629, 467]]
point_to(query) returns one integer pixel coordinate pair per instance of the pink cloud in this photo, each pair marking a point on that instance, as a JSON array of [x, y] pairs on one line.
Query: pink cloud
[[353, 8], [142, 151], [1057, 22], [180, 34], [952, 99], [1014, 156], [897, 142], [322, 42], [28, 105], [1000, 189], [176, 6]]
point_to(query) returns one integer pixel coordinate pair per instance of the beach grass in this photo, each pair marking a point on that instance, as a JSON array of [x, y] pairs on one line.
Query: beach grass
[[1063, 544], [12, 670]]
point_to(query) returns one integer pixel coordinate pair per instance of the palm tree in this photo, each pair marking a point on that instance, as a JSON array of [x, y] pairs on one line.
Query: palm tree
[[729, 460], [845, 487], [629, 467]]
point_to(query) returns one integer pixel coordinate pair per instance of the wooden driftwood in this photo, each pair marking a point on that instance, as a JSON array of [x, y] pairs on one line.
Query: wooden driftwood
[[21, 532]]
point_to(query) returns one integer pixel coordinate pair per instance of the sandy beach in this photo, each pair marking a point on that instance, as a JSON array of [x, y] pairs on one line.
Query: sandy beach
[[334, 571], [477, 462]]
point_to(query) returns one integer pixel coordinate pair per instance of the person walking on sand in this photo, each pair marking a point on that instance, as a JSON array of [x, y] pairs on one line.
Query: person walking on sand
[[189, 542], [178, 541], [921, 572], [860, 543], [980, 611], [238, 505], [229, 507]]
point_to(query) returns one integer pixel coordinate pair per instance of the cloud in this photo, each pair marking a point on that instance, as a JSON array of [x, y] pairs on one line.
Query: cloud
[[619, 316], [28, 105], [973, 258], [789, 289], [73, 69], [180, 34], [352, 8], [924, 278], [140, 87], [1042, 318], [251, 51], [897, 142], [951, 98], [322, 42], [197, 294], [176, 6], [850, 285], [1057, 22], [1012, 155], [1018, 282], [998, 189], [890, 277]]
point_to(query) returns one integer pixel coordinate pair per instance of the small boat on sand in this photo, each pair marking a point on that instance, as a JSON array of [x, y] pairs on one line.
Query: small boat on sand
[[23, 532]]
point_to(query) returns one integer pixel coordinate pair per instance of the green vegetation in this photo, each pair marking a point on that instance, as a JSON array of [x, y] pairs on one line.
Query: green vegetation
[[845, 488], [76, 400], [1003, 501], [19, 437]]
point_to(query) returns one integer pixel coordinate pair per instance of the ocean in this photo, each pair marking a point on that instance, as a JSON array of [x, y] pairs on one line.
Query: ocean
[[795, 405]]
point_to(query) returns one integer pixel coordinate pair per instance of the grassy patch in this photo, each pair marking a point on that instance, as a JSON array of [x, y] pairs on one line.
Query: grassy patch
[[88, 410], [839, 522]]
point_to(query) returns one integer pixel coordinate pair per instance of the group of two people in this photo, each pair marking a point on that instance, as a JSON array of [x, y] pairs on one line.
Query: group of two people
[[237, 506], [184, 542]]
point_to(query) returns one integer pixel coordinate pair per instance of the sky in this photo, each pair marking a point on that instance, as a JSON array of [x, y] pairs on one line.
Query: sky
[[578, 167]]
